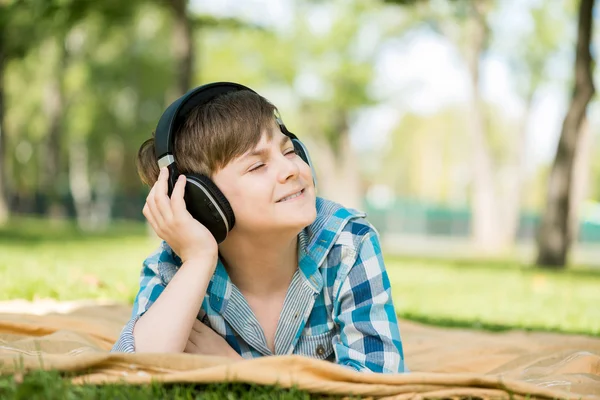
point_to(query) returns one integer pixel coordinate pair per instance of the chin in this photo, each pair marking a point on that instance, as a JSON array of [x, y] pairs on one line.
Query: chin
[[300, 220], [307, 217]]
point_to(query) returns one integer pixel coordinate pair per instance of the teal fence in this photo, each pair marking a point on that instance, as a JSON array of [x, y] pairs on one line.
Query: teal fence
[[419, 218]]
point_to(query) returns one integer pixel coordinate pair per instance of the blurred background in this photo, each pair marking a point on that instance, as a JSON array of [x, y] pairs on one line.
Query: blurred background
[[467, 130]]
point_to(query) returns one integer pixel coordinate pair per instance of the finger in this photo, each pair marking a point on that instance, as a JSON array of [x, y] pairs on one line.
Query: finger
[[195, 338], [191, 348], [177, 197], [198, 325], [161, 197], [151, 220], [152, 209], [146, 212]]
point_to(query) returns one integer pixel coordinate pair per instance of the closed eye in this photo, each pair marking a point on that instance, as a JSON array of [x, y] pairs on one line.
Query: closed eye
[[290, 151], [256, 168]]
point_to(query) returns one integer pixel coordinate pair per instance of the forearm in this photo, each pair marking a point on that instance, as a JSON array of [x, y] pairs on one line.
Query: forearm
[[166, 326]]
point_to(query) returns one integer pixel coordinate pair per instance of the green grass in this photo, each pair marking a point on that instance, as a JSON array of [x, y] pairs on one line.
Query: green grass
[[41, 385], [44, 260], [496, 295]]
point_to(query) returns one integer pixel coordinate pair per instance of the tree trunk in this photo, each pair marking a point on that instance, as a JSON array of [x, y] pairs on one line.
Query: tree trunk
[[79, 182], [485, 227], [101, 208], [514, 181], [54, 110], [554, 238], [94, 198], [4, 210], [183, 46], [337, 170], [581, 178]]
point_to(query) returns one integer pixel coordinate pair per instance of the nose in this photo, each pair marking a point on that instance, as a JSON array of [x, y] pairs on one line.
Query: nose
[[287, 168]]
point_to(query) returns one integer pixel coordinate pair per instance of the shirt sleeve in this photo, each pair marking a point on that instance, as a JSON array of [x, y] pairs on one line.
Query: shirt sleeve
[[151, 287], [369, 338]]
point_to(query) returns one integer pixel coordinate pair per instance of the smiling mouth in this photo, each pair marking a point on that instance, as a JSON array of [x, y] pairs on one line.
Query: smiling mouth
[[293, 196]]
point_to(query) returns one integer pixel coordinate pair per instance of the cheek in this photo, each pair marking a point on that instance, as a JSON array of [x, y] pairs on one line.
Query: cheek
[[247, 198], [305, 171]]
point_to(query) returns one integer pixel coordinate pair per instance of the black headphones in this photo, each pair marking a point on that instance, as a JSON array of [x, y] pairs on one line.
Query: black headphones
[[203, 199]]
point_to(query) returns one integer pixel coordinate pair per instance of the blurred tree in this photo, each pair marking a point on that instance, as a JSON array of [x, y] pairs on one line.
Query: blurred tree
[[338, 58], [497, 158], [109, 71], [186, 28], [109, 88], [528, 55], [326, 54], [465, 24], [29, 23], [486, 219], [15, 23], [183, 46], [581, 176], [424, 157], [152, 61], [554, 239], [3, 175], [54, 110]]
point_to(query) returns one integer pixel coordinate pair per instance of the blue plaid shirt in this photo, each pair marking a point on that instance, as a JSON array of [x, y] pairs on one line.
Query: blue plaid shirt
[[338, 306]]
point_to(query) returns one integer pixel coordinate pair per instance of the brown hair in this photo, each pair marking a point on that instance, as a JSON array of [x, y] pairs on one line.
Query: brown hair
[[213, 135]]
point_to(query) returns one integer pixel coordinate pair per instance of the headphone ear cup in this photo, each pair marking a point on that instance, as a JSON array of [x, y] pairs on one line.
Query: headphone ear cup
[[302, 152], [207, 204], [173, 176]]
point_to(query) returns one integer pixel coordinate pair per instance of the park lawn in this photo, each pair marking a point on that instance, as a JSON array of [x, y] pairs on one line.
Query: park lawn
[[41, 261], [47, 385], [496, 295]]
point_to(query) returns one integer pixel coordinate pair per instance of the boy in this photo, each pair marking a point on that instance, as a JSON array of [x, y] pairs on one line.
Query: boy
[[293, 274]]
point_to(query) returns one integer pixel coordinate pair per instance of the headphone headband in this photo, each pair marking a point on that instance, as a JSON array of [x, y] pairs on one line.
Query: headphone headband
[[174, 116]]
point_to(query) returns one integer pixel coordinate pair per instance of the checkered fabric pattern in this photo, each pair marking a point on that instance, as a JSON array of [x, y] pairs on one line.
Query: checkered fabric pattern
[[338, 306]]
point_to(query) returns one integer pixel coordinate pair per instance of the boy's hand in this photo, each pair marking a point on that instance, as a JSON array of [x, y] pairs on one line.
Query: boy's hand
[[204, 340], [172, 222]]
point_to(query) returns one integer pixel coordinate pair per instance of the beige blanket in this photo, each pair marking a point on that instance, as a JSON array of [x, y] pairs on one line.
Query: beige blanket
[[445, 363]]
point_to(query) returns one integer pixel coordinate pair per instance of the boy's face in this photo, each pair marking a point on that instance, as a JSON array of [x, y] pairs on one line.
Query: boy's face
[[259, 184]]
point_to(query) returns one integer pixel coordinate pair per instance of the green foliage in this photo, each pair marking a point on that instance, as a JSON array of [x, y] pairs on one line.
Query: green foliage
[[529, 51], [112, 94], [26, 22], [423, 155], [114, 61], [115, 65], [326, 53]]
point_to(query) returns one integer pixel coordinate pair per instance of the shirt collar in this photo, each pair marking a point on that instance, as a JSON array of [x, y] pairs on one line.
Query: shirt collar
[[314, 243]]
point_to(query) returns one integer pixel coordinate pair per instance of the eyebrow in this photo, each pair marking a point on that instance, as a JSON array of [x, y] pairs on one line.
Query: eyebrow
[[263, 152]]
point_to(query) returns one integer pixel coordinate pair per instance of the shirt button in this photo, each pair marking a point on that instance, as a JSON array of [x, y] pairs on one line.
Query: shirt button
[[320, 350]]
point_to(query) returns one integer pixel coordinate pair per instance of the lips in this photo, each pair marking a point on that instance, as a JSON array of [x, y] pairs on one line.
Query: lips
[[291, 196]]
